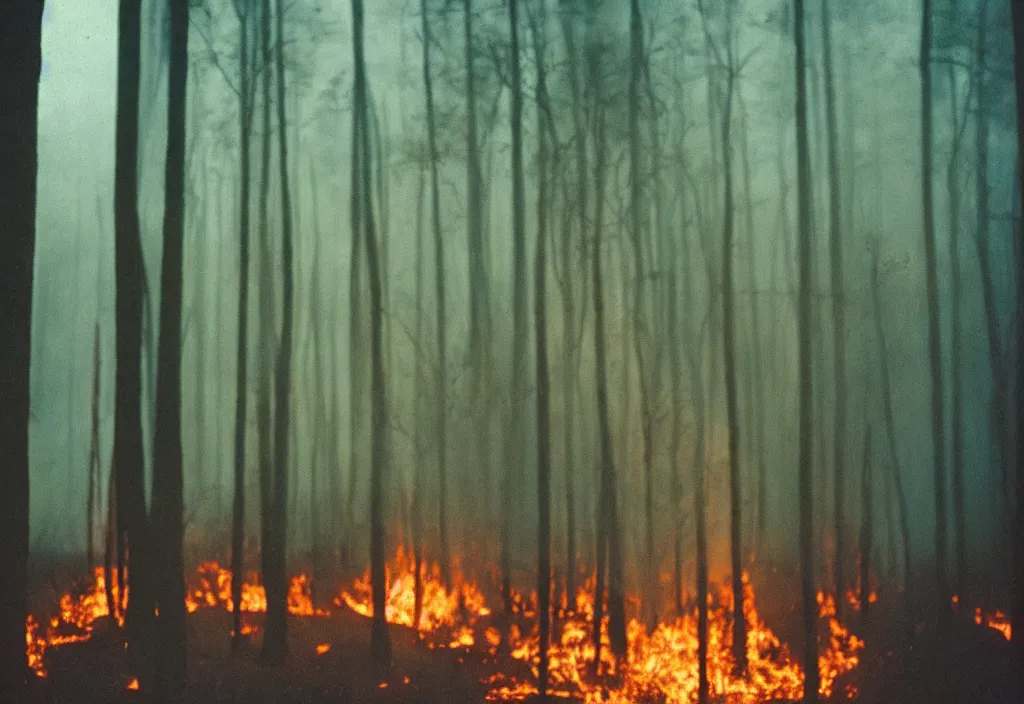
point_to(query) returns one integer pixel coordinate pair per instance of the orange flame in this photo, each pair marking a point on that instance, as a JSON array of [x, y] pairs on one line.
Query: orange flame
[[997, 621]]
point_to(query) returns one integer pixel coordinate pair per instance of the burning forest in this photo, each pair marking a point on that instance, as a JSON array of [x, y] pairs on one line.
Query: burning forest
[[455, 351]]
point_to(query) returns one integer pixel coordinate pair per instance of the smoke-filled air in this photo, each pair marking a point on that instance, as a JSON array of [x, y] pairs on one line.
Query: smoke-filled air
[[452, 351]]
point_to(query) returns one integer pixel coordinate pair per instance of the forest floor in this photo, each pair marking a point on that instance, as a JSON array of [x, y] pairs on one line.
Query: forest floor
[[961, 662]]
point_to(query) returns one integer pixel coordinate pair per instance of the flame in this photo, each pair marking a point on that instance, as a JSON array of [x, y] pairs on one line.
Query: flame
[[134, 684], [323, 648], [441, 607], [996, 620], [211, 588], [663, 665]]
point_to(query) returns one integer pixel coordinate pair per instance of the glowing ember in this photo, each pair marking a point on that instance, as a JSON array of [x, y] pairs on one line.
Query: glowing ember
[[997, 620], [441, 608], [134, 684], [323, 648]]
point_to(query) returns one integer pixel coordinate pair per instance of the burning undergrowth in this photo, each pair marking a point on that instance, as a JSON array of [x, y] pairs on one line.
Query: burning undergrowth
[[661, 664]]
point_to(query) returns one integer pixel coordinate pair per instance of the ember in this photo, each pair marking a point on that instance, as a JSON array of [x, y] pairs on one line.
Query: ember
[[997, 621]]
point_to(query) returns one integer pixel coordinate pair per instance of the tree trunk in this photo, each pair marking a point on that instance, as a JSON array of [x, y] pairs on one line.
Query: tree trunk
[[380, 643], [514, 435], [442, 386], [241, 369], [21, 55], [934, 340], [1018, 573], [543, 381], [275, 641], [417, 484], [168, 479], [803, 171], [956, 352], [133, 520], [739, 623], [94, 453], [838, 314], [479, 307]]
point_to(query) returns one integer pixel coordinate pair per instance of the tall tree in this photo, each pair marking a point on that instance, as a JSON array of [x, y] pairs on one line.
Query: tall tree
[[514, 435], [93, 486], [21, 57], [168, 480], [609, 542], [835, 218], [804, 430], [479, 307], [1018, 612], [1018, 562], [543, 381], [934, 341], [380, 643], [132, 518], [243, 12], [275, 641], [442, 386]]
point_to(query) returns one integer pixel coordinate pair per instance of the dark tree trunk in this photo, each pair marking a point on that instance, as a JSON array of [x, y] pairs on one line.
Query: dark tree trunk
[[380, 643], [266, 305], [442, 385], [21, 56], [838, 314], [803, 172], [241, 368], [1018, 573], [934, 339], [479, 306], [981, 240], [543, 381], [956, 347], [132, 519], [608, 539], [514, 434], [168, 480], [275, 641], [94, 453], [417, 489]]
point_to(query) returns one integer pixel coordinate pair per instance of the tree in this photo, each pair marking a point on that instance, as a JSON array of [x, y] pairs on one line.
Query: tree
[[803, 174], [132, 519], [1018, 562], [275, 641], [543, 382], [21, 56], [609, 542], [92, 485], [168, 480], [934, 342], [442, 386], [514, 435], [245, 102], [838, 313]]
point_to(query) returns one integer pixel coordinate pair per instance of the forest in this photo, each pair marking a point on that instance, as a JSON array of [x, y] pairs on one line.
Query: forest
[[629, 351]]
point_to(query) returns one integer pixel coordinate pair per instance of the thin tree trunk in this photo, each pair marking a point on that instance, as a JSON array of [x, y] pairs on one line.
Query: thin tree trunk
[[380, 643], [934, 339], [241, 369], [543, 382], [514, 435], [275, 641], [1018, 555], [442, 385], [21, 55], [417, 486], [94, 453], [168, 478], [838, 314], [810, 606]]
